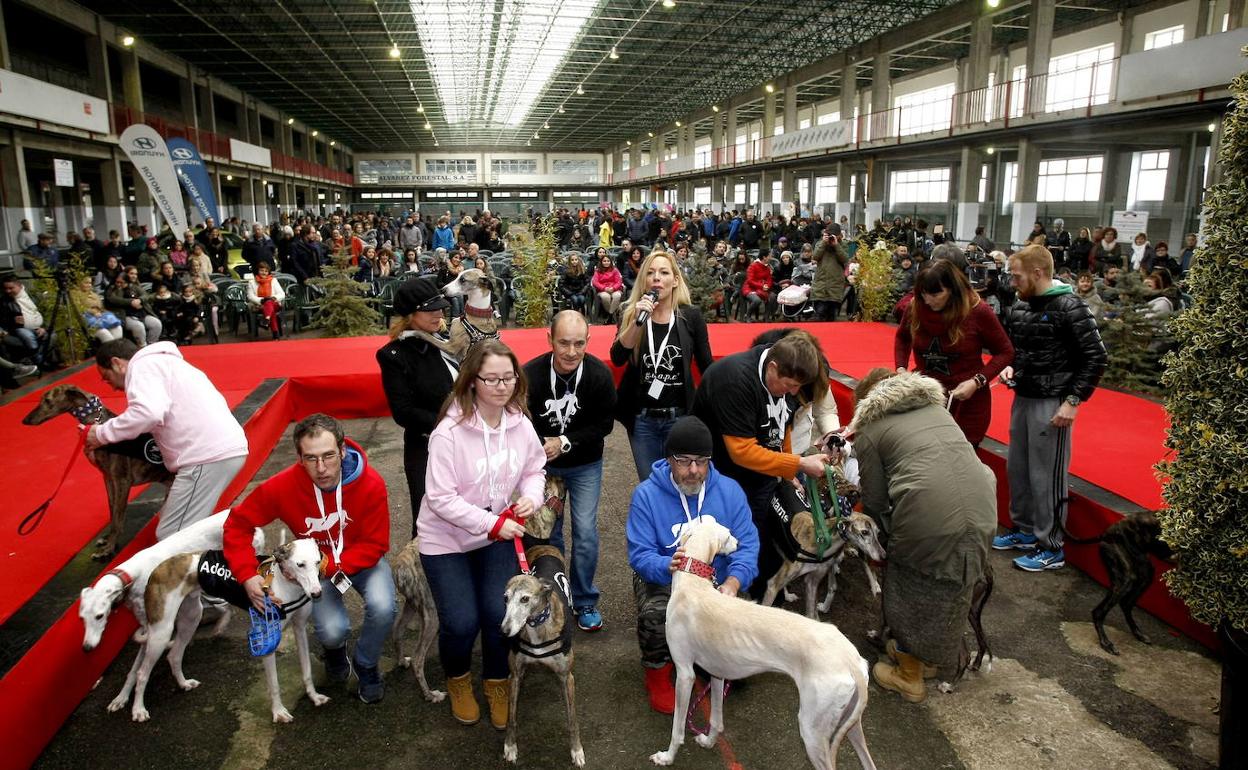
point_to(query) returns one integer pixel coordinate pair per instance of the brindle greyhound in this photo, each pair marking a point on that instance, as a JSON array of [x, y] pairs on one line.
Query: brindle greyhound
[[122, 469]]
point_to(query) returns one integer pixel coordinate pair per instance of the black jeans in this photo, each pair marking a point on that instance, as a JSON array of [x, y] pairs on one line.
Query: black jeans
[[826, 309]]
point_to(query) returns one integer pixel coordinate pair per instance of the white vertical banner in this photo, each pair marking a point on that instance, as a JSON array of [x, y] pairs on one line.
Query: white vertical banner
[[147, 151]]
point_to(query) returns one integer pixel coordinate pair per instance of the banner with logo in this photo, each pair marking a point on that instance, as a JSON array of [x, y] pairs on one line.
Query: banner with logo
[[147, 151], [194, 177]]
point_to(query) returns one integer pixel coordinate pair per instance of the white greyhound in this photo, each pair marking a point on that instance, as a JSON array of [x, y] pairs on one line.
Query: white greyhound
[[293, 574], [732, 639]]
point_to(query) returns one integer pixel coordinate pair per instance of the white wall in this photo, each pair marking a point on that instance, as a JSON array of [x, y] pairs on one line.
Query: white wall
[[921, 82], [1163, 18]]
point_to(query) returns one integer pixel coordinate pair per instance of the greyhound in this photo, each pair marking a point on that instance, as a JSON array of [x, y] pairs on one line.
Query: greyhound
[[292, 573], [733, 639], [540, 624], [1124, 549], [477, 290], [124, 465], [127, 582], [418, 606], [858, 532]]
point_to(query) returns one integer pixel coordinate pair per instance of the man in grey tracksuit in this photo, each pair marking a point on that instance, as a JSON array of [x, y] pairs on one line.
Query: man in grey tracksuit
[[1059, 359]]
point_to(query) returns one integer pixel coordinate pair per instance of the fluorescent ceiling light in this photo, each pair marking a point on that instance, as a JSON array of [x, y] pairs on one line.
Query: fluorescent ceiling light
[[494, 77]]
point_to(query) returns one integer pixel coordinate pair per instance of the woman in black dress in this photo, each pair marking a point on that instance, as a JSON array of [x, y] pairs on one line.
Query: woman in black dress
[[416, 375]]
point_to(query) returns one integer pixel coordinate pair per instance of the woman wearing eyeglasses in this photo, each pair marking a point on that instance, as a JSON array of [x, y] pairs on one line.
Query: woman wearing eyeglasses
[[483, 454]]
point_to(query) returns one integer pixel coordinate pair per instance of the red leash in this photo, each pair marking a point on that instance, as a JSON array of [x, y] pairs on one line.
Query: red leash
[[35, 517], [509, 514]]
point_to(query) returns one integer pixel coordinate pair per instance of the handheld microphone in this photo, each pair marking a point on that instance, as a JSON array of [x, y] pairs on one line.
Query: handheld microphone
[[644, 315]]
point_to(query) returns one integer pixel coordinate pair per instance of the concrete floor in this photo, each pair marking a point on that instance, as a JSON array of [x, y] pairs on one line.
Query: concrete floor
[[1053, 699]]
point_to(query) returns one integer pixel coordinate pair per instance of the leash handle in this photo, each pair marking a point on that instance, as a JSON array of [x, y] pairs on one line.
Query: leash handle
[[823, 537], [33, 519], [509, 513]]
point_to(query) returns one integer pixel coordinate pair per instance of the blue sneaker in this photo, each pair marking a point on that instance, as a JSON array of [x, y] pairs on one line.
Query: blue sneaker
[[1014, 539], [588, 619], [1039, 561]]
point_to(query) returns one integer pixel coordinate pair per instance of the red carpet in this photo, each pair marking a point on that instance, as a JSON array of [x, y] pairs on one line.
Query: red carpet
[[1117, 440]]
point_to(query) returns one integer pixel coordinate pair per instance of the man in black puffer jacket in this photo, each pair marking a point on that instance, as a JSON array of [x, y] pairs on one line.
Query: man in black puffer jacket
[[1059, 359]]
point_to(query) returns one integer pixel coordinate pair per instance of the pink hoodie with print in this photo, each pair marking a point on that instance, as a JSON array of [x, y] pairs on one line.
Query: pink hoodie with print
[[458, 510]]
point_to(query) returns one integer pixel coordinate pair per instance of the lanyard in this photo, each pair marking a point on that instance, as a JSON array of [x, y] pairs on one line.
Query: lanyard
[[779, 408], [563, 414], [334, 546], [657, 355], [491, 472], [685, 504]]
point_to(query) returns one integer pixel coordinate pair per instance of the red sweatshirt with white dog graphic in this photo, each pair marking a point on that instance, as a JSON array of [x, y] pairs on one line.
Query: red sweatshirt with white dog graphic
[[361, 529]]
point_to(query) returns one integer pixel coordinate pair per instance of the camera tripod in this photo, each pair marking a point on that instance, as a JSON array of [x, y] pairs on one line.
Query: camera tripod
[[65, 301]]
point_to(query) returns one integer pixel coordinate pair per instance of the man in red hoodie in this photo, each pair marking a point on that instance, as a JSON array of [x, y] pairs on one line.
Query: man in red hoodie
[[330, 494]]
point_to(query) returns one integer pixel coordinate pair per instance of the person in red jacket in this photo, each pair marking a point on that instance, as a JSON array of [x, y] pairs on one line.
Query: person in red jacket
[[947, 327], [757, 287], [330, 494]]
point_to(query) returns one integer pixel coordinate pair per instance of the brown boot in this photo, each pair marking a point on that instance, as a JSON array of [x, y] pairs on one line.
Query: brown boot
[[929, 671], [464, 705], [498, 695], [662, 691], [906, 678]]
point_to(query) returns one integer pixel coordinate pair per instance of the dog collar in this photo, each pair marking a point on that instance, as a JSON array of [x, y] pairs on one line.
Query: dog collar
[[479, 312], [697, 567], [555, 504], [536, 620], [126, 582], [83, 413]]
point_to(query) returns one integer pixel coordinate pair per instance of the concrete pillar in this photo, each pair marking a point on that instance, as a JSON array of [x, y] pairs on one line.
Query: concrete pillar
[[730, 139], [111, 210], [879, 97], [1025, 196], [877, 189], [97, 66], [1039, 49], [247, 209], [1204, 12], [790, 109], [974, 70], [186, 86], [844, 204], [17, 204], [849, 91], [967, 193], [769, 117], [634, 157], [207, 114], [131, 85], [1236, 11], [1126, 23], [5, 61]]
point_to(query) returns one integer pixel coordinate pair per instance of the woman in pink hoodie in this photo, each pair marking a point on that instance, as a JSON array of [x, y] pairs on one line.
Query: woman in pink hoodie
[[608, 285], [483, 454]]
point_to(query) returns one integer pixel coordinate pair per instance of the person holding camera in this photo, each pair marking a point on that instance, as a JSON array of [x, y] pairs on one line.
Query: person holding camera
[[946, 327], [828, 289]]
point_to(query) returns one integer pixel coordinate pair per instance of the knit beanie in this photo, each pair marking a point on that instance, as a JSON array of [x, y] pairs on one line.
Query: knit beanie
[[689, 436]]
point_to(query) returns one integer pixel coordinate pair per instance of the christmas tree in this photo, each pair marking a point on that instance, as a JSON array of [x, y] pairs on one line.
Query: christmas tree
[[1128, 332], [706, 289], [875, 280], [345, 310]]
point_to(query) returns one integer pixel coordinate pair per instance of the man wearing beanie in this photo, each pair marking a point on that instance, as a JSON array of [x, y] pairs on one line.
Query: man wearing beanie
[[682, 487], [748, 400]]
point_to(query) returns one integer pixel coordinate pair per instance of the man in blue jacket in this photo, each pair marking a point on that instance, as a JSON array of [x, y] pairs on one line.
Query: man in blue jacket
[[682, 488]]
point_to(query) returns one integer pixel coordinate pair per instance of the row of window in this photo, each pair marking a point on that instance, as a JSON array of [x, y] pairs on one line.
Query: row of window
[[510, 166]]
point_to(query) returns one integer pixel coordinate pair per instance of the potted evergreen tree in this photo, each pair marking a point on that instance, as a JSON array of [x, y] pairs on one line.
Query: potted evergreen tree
[[1205, 520]]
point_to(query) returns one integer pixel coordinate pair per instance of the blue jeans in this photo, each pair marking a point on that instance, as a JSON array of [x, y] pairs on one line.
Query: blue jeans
[[468, 592], [648, 441], [30, 342], [584, 483], [375, 586]]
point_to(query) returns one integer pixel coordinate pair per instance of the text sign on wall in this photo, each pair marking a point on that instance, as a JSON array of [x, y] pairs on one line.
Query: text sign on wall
[[64, 171], [825, 137], [1128, 223], [35, 99]]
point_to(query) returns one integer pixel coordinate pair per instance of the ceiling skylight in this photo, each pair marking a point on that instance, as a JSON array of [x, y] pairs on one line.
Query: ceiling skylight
[[491, 74]]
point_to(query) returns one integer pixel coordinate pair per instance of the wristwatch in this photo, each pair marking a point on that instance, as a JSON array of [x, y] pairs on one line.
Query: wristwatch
[[980, 380], [565, 446], [1074, 400]]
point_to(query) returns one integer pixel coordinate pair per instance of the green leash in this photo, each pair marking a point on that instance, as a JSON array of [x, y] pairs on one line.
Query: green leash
[[823, 535]]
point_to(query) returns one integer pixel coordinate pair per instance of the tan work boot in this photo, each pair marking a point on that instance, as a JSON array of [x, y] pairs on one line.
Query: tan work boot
[[498, 695], [464, 706], [906, 678], [929, 671]]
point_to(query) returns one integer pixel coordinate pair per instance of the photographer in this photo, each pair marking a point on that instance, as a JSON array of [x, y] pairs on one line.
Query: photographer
[[828, 289]]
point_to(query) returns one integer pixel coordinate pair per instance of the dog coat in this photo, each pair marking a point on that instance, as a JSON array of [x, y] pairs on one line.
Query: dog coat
[[217, 580], [786, 503], [550, 568]]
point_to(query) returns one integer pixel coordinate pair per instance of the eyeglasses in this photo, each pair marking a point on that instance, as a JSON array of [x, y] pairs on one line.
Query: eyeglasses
[[329, 459], [685, 461], [494, 382]]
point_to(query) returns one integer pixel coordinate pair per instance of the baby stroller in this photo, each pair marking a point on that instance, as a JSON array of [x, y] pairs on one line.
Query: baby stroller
[[795, 304]]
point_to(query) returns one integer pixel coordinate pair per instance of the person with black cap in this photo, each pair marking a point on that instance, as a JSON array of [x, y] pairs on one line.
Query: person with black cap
[[828, 289], [684, 486], [417, 375]]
